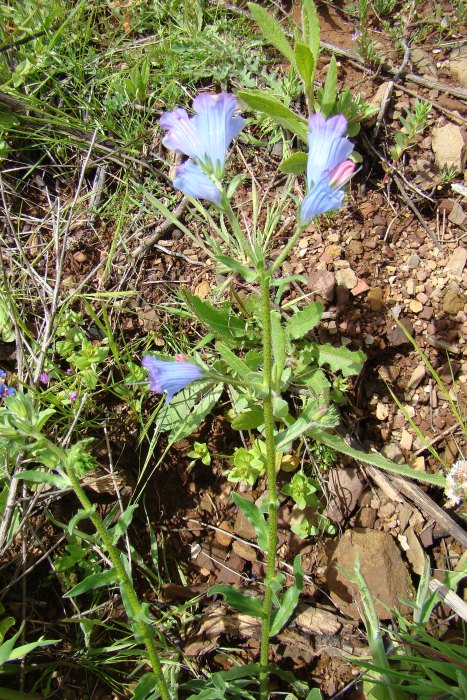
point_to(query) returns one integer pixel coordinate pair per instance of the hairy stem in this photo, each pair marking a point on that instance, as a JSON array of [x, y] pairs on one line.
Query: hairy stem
[[272, 488], [279, 260], [142, 629]]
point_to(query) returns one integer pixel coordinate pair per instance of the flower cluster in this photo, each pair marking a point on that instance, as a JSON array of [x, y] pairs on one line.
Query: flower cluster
[[5, 390], [456, 483], [170, 377], [204, 138], [328, 167]]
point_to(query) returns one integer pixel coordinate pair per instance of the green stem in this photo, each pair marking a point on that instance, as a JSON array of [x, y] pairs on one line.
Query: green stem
[[143, 630], [278, 261], [238, 231], [272, 488]]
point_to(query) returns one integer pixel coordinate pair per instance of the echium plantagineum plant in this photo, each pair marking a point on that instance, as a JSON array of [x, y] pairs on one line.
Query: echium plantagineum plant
[[258, 380]]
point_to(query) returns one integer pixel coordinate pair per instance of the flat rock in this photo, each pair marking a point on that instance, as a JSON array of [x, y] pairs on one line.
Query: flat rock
[[344, 489], [458, 64], [396, 336], [457, 260], [453, 301], [423, 62], [449, 147], [375, 299], [382, 566], [322, 283], [243, 528], [416, 376], [346, 278]]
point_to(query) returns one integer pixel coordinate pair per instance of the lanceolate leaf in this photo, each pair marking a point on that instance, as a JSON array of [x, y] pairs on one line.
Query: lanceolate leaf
[[276, 110], [311, 28], [376, 460], [220, 321], [305, 65], [289, 601], [246, 604], [294, 164], [272, 31], [104, 578], [330, 87], [256, 518]]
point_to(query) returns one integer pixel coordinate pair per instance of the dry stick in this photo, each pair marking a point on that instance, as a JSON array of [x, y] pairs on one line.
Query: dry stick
[[389, 89], [161, 230], [400, 489], [412, 206]]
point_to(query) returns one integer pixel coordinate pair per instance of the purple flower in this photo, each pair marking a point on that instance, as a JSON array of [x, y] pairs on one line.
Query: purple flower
[[191, 180], [170, 377], [327, 167], [206, 136], [2, 373], [6, 391], [73, 396], [44, 378]]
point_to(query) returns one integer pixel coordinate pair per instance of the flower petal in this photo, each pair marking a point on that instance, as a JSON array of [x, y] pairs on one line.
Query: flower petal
[[192, 181], [170, 377], [207, 135], [327, 147], [320, 199]]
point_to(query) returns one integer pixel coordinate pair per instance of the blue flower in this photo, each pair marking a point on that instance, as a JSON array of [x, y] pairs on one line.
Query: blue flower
[[170, 377], [6, 391], [206, 136], [191, 180], [327, 167]]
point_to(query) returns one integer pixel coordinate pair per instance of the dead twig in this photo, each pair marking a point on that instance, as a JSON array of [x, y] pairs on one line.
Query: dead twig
[[161, 230]]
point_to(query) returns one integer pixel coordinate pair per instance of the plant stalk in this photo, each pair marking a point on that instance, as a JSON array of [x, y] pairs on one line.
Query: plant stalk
[[271, 483], [283, 256], [142, 628]]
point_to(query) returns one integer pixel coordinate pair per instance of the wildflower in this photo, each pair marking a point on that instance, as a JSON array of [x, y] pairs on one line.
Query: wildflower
[[73, 396], [2, 373], [44, 378], [328, 167], [191, 180], [170, 377], [204, 138], [6, 391], [456, 483]]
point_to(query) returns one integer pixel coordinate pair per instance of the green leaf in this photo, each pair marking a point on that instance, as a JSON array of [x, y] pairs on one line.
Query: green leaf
[[294, 164], [272, 31], [276, 110], [289, 602], [147, 688], [248, 420], [330, 87], [310, 27], [255, 517], [278, 348], [7, 119], [238, 366], [305, 65], [93, 581], [246, 604], [375, 459], [304, 321], [185, 413], [237, 268], [340, 359], [123, 523], [310, 417], [220, 321], [37, 477]]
